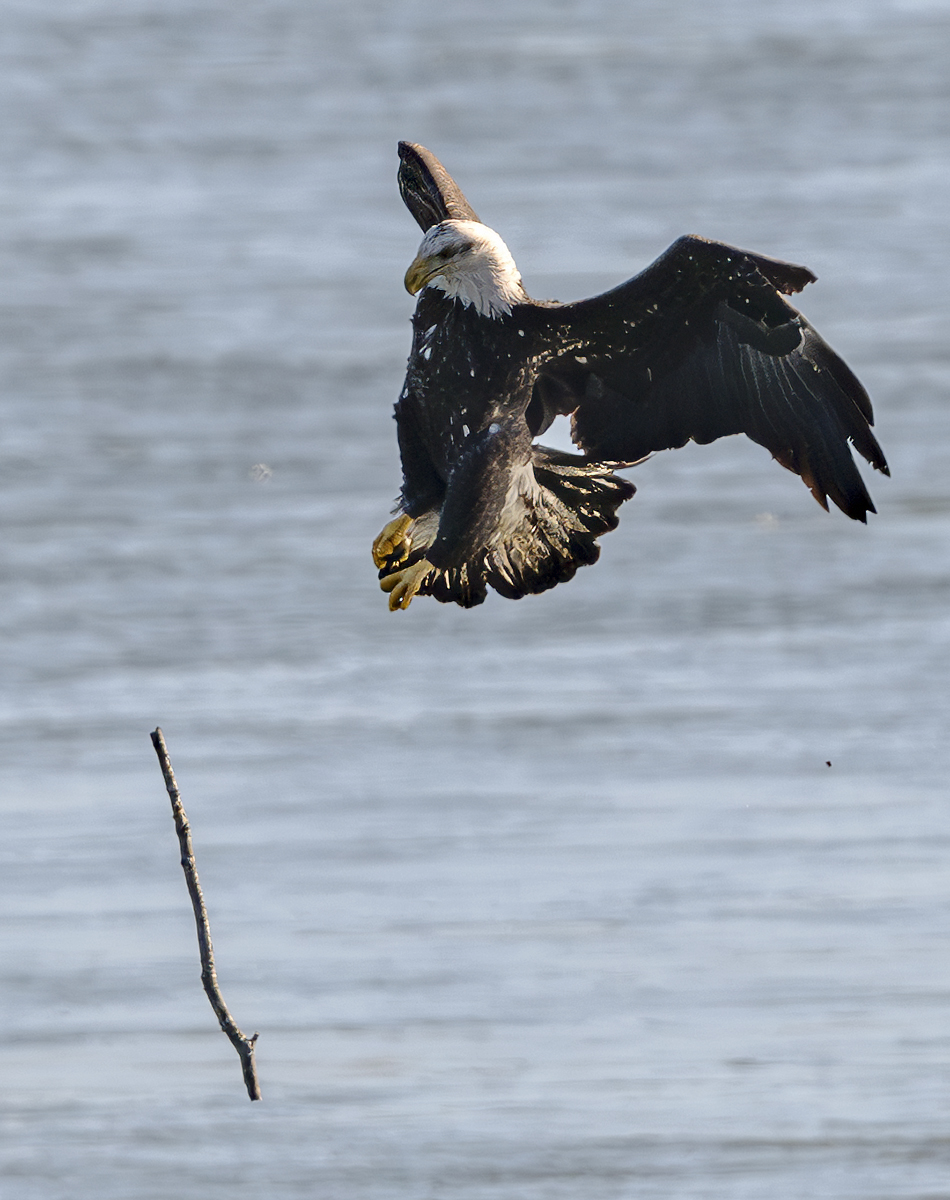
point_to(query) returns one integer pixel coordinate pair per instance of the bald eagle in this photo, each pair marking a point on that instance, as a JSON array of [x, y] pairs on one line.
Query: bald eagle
[[699, 345]]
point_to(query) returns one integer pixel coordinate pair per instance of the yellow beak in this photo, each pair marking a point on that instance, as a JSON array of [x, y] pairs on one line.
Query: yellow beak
[[419, 274]]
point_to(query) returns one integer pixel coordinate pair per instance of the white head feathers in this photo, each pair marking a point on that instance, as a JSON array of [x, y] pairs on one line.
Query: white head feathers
[[469, 262]]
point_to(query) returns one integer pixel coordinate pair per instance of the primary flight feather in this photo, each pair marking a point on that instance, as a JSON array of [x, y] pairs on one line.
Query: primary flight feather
[[699, 345]]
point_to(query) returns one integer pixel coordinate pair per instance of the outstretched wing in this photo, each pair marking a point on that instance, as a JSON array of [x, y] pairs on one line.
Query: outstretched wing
[[701, 345], [429, 191]]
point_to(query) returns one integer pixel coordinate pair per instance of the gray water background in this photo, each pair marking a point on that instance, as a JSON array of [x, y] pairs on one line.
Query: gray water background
[[555, 898]]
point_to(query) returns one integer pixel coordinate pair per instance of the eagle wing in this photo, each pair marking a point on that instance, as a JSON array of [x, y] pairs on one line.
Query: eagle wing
[[700, 345], [429, 191]]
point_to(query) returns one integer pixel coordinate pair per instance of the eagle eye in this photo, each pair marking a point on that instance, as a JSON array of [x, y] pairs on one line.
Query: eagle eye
[[455, 248]]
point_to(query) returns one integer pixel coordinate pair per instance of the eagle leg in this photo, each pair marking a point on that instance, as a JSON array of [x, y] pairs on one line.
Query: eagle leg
[[403, 585], [393, 543]]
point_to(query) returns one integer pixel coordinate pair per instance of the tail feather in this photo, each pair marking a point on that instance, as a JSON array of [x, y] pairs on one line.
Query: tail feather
[[556, 509], [574, 502]]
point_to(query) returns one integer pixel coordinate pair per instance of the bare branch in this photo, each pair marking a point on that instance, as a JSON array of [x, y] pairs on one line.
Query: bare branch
[[243, 1045]]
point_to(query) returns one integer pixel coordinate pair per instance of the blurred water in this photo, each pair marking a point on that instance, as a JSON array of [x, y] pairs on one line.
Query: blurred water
[[556, 898]]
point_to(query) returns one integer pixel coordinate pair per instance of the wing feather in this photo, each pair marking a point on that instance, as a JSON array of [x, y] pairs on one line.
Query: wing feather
[[428, 190], [702, 345]]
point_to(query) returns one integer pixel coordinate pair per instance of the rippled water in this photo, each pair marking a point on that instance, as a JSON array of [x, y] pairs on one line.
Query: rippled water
[[547, 899]]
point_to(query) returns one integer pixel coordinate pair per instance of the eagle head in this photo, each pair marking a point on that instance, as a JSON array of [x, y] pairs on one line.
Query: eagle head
[[469, 262]]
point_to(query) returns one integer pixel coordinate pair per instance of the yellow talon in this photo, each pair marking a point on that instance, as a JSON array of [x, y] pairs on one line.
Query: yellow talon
[[393, 542], [403, 585]]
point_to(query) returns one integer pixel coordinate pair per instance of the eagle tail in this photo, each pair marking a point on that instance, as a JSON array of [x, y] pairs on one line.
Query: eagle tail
[[574, 501], [557, 507]]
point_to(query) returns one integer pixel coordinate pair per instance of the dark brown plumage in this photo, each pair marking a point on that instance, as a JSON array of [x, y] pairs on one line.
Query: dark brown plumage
[[700, 345]]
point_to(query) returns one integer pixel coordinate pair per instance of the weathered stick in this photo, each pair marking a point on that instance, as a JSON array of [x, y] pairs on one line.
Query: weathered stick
[[243, 1045]]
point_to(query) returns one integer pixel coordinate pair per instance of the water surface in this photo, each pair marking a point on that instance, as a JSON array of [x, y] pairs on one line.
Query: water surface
[[555, 898]]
